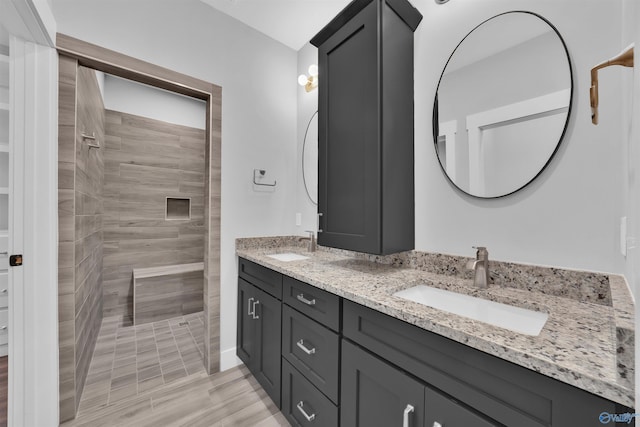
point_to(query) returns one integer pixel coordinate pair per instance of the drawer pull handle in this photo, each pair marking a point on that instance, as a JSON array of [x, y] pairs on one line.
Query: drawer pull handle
[[249, 312], [255, 315], [302, 347], [301, 298], [304, 413], [405, 418]]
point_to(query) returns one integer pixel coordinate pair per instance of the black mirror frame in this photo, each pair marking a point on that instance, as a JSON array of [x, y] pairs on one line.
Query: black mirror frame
[[435, 124]]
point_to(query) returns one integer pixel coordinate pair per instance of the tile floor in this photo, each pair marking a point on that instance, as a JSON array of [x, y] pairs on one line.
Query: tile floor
[[152, 375], [129, 360]]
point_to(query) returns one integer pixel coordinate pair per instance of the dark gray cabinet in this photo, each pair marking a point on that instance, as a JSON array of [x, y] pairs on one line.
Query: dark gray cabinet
[[365, 127], [335, 362], [310, 354], [376, 394], [259, 330], [313, 349], [245, 333], [302, 403], [475, 383], [379, 394], [445, 411]]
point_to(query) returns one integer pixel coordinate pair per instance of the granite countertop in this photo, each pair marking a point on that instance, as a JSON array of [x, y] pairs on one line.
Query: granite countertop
[[586, 344]]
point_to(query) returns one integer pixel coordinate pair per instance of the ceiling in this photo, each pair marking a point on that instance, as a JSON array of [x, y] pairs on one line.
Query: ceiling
[[291, 22]]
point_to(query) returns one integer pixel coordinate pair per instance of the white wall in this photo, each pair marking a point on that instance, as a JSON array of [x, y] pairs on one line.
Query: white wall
[[630, 123], [569, 215], [258, 82], [139, 99]]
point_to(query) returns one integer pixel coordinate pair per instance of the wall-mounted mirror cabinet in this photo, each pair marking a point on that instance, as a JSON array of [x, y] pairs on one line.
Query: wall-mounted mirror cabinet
[[502, 105]]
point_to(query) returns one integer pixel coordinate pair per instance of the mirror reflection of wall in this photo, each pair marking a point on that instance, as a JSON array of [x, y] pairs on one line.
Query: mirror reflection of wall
[[502, 104], [310, 159]]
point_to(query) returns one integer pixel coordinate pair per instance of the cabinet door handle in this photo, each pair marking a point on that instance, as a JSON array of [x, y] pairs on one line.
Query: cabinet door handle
[[304, 413], [304, 348], [3, 328], [4, 291], [301, 298], [405, 418], [255, 315], [319, 229], [249, 312]]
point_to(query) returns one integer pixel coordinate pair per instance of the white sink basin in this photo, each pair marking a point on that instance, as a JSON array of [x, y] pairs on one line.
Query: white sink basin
[[289, 256], [528, 322]]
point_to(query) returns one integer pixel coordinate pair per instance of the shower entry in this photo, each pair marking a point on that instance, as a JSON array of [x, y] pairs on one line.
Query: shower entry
[[138, 263]]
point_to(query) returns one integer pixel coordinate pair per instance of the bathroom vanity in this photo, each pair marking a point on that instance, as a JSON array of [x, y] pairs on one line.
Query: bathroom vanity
[[351, 353]]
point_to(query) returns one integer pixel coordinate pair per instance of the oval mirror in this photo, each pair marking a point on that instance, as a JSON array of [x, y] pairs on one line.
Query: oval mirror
[[502, 105], [310, 159]]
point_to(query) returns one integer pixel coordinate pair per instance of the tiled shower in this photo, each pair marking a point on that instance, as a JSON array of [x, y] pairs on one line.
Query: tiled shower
[[117, 174]]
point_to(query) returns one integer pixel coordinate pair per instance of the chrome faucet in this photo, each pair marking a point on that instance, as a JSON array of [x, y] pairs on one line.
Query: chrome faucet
[[481, 277], [312, 240]]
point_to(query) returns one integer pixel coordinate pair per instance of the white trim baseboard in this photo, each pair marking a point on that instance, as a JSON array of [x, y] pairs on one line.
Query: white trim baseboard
[[228, 359]]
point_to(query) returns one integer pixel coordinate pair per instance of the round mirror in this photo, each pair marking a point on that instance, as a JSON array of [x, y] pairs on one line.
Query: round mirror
[[310, 159], [502, 105]]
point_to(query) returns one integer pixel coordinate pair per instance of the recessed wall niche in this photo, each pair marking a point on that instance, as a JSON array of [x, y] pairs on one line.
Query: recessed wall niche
[[178, 208]]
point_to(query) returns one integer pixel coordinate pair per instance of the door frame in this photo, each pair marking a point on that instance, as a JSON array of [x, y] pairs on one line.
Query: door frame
[[108, 61]]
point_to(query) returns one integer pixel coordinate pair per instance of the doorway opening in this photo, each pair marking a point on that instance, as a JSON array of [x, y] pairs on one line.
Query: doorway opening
[[80, 329]]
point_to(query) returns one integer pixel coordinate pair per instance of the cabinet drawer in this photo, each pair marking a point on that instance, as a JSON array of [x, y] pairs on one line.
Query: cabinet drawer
[[441, 409], [313, 349], [264, 278], [302, 403], [320, 305]]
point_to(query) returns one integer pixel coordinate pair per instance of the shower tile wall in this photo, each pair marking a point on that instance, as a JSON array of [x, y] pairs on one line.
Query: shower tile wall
[[147, 161], [66, 235], [80, 206], [90, 119]]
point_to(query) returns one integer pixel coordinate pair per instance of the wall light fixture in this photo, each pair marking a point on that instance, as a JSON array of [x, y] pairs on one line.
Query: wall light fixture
[[309, 82]]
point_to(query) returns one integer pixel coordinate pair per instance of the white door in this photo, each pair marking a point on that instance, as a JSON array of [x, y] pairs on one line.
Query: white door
[[4, 197]]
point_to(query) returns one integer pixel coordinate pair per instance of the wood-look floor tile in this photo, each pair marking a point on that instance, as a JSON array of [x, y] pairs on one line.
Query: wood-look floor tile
[[149, 384], [169, 386], [127, 391], [149, 372], [174, 375], [125, 380], [250, 415]]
